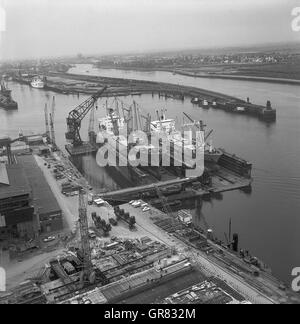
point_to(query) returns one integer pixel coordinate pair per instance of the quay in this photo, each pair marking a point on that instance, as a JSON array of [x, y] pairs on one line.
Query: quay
[[66, 83]]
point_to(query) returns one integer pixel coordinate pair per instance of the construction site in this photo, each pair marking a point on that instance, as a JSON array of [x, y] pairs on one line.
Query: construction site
[[136, 245]]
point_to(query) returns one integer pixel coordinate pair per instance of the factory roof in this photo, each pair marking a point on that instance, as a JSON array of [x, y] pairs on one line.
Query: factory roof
[[44, 199], [13, 181]]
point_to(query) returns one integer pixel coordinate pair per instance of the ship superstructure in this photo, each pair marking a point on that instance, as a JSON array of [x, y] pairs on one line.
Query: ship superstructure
[[37, 82], [161, 151]]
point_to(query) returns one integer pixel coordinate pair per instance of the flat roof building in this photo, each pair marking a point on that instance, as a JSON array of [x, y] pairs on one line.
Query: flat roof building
[[45, 203], [16, 211]]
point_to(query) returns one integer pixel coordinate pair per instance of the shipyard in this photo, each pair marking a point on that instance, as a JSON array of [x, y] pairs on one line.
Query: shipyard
[[141, 178]]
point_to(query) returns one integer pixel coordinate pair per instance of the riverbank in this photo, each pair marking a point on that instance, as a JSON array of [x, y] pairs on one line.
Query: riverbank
[[240, 77], [212, 75]]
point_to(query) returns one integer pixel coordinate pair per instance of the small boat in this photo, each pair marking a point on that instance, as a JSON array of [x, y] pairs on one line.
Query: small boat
[[239, 109], [214, 104], [195, 101], [204, 104]]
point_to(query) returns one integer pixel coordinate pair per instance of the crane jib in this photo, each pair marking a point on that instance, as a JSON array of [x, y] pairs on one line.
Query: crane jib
[[77, 115]]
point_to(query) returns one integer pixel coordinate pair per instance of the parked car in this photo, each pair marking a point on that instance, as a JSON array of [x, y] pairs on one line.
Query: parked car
[[136, 204], [49, 239]]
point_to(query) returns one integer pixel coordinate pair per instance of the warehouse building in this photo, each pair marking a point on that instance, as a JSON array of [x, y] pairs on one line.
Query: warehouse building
[[44, 201], [17, 219]]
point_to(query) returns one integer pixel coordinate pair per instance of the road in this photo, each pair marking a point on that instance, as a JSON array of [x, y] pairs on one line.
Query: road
[[145, 188], [68, 205]]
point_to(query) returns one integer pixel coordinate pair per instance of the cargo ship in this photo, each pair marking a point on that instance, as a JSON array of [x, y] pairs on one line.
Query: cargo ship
[[112, 129], [6, 100]]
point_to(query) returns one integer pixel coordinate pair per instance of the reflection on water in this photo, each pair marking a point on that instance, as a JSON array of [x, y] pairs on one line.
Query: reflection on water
[[267, 220]]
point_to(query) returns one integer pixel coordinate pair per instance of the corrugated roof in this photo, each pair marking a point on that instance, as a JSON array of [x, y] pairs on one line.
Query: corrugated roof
[[3, 175], [18, 184]]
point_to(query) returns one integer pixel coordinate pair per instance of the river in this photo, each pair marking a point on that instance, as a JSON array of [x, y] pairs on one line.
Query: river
[[268, 220]]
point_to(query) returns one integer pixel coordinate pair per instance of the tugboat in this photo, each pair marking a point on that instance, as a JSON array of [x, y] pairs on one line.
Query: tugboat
[[6, 100], [204, 104]]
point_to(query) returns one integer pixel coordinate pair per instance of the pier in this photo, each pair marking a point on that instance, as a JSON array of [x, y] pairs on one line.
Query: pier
[[66, 83], [222, 181]]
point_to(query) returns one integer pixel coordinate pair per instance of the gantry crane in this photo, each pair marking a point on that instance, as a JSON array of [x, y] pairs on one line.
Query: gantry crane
[[77, 115], [87, 274]]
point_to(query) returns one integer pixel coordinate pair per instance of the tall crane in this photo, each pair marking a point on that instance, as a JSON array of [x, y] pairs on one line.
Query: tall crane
[[87, 274], [47, 123], [77, 115], [52, 116], [92, 134], [137, 122], [147, 127], [200, 125]]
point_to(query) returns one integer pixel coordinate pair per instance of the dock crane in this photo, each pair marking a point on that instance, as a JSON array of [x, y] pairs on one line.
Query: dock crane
[[52, 117], [87, 274], [77, 115], [47, 123], [200, 125], [92, 134]]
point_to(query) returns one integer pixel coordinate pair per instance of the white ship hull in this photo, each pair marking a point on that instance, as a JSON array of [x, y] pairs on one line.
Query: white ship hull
[[37, 85]]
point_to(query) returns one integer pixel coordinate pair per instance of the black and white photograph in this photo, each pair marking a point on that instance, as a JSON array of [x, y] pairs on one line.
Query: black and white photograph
[[149, 154]]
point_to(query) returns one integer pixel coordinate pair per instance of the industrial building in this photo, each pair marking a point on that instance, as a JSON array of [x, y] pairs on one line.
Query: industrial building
[[27, 205], [45, 204], [17, 219]]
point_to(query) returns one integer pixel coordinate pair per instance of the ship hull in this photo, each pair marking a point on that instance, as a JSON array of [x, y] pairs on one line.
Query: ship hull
[[8, 104], [37, 86], [212, 157]]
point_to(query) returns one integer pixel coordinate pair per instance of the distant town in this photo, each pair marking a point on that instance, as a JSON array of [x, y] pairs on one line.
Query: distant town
[[262, 62]]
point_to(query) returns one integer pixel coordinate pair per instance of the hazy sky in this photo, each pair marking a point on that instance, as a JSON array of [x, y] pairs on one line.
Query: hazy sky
[[61, 27]]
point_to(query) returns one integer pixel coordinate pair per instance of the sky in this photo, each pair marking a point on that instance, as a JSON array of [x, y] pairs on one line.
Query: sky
[[45, 28]]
